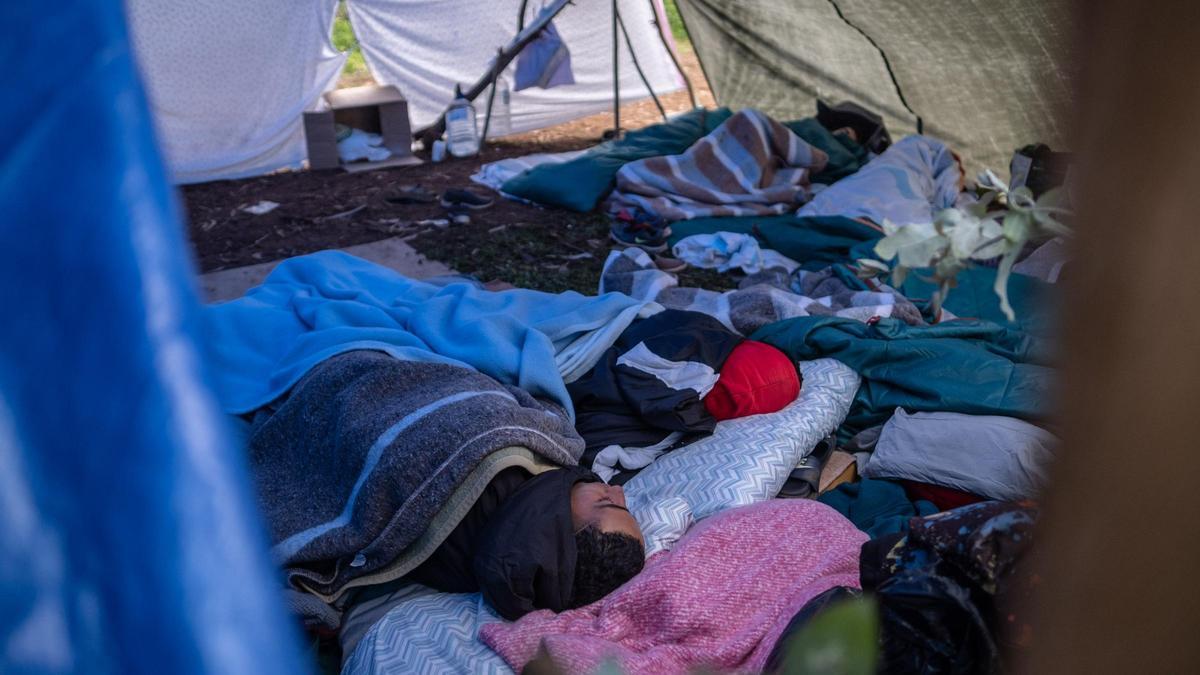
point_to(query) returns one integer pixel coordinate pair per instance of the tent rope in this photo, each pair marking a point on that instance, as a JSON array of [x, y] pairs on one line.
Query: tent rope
[[886, 64]]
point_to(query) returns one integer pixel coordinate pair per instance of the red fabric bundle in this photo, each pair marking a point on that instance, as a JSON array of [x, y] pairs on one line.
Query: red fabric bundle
[[756, 379]]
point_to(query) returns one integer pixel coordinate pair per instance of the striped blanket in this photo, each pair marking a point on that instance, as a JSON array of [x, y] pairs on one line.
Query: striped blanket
[[749, 166]]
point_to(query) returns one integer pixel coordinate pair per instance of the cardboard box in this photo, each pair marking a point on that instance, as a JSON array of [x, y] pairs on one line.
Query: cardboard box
[[374, 109]]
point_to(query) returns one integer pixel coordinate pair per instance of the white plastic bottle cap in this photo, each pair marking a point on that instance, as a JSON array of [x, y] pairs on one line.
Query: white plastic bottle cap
[[439, 150]]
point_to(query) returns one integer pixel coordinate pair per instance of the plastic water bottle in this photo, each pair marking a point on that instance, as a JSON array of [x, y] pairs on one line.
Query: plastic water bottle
[[462, 130], [503, 117]]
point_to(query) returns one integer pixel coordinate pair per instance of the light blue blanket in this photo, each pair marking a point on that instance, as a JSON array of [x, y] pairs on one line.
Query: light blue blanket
[[316, 306]]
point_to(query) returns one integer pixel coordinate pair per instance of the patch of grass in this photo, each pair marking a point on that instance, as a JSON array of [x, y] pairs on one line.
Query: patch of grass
[[355, 71], [677, 29]]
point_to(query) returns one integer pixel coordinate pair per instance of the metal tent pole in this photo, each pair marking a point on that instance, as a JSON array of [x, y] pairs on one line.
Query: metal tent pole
[[616, 133], [638, 67], [671, 53]]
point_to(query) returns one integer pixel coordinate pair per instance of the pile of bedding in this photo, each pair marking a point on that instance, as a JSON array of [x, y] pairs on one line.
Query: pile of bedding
[[705, 405], [751, 165]]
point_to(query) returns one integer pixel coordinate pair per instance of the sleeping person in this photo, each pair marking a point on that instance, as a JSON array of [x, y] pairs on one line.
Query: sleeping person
[[366, 451], [557, 540]]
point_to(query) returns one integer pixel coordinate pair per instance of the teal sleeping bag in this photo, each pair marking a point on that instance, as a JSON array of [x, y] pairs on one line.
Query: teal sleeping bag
[[964, 366], [581, 183]]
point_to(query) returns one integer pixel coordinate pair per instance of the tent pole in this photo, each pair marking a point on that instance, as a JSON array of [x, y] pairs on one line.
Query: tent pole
[[638, 67], [509, 52], [616, 132], [687, 81]]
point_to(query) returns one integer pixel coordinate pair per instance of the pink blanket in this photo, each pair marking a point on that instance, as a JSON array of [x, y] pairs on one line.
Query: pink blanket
[[719, 599]]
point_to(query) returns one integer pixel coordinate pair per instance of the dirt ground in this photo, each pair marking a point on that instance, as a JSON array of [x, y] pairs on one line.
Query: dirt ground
[[543, 248]]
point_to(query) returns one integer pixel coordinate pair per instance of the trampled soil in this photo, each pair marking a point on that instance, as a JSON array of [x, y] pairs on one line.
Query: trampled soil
[[531, 247]]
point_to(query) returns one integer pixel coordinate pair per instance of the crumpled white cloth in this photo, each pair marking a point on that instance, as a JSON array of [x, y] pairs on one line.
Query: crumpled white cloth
[[726, 251], [362, 145], [908, 184], [495, 174]]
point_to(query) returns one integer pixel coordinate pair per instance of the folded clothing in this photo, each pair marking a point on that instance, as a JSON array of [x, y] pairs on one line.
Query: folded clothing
[[996, 457], [720, 599], [750, 165], [366, 449]]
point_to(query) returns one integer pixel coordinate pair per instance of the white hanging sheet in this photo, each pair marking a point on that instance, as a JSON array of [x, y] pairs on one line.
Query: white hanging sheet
[[425, 48], [228, 80]]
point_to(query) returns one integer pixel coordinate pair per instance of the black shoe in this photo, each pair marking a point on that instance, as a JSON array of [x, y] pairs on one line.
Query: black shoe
[[458, 200], [867, 126]]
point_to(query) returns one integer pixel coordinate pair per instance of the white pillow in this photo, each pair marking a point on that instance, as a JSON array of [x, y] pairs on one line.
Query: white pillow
[[745, 461], [986, 455]]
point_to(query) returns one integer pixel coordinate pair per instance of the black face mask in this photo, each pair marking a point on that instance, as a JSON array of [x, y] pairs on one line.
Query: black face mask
[[526, 560]]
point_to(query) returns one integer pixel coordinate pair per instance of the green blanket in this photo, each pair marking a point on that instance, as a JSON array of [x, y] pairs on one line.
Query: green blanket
[[581, 183], [972, 367], [1034, 301]]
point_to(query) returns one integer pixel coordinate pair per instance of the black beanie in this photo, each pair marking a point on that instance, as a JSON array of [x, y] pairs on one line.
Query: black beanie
[[526, 560]]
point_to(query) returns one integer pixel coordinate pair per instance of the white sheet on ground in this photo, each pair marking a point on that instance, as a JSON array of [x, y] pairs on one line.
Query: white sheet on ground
[[228, 81], [496, 174]]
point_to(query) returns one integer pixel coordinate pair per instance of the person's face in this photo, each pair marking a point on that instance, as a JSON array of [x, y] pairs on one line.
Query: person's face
[[603, 506]]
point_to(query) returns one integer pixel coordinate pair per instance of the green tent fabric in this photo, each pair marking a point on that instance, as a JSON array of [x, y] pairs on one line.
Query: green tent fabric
[[581, 183], [965, 366], [813, 241], [986, 77]]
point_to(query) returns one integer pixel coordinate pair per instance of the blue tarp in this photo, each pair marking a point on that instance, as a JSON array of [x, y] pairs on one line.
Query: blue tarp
[[129, 542]]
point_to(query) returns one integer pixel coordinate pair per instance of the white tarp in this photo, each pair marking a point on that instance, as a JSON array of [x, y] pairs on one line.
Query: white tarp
[[228, 80], [424, 48]]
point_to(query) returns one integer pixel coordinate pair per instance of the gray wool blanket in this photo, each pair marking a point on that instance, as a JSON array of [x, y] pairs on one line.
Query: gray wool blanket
[[366, 449]]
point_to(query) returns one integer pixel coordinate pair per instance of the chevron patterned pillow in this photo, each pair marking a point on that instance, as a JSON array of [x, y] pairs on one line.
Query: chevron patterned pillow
[[745, 461]]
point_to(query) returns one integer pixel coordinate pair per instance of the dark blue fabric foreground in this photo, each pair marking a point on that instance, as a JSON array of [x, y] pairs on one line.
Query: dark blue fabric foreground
[[128, 539]]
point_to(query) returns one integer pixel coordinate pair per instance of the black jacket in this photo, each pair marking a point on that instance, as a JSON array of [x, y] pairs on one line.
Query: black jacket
[[516, 544], [651, 382]]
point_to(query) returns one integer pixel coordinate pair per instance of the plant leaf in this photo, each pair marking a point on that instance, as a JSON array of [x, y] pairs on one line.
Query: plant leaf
[[840, 640]]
